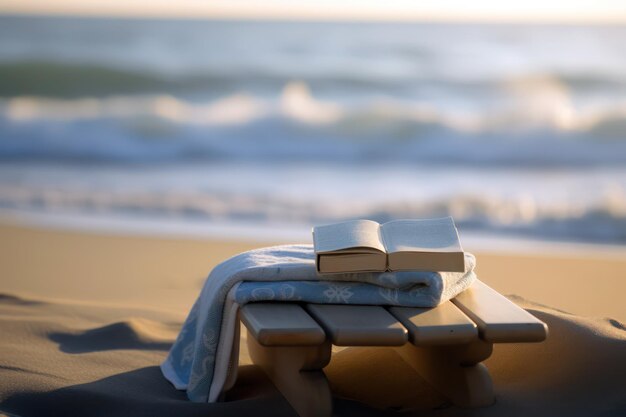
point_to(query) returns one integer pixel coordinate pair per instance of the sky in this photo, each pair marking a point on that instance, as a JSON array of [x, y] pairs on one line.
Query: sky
[[590, 11]]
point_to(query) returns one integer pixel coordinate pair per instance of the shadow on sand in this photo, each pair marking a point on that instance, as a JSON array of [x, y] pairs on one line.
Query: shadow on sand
[[120, 335], [138, 393], [144, 392]]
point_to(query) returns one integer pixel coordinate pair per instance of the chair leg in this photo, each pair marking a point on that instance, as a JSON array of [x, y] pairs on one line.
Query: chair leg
[[297, 373], [455, 371]]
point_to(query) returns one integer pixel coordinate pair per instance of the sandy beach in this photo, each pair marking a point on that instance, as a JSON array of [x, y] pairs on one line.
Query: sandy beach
[[141, 146], [86, 319]]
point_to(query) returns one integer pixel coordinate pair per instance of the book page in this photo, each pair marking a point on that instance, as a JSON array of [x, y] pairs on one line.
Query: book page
[[356, 234], [428, 235]]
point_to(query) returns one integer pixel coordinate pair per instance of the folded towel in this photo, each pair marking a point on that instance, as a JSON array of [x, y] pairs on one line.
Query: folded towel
[[200, 359]]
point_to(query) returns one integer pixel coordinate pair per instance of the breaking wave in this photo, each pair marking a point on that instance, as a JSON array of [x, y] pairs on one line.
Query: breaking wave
[[298, 126]]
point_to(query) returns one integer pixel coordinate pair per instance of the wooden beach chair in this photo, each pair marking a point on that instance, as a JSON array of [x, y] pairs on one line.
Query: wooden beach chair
[[445, 345]]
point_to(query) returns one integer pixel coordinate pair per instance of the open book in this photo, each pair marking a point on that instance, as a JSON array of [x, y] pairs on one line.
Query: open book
[[365, 245]]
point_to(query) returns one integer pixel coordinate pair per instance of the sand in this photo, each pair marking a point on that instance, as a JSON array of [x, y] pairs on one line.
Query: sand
[[85, 319]]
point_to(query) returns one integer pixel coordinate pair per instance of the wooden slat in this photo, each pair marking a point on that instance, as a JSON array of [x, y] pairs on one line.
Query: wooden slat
[[359, 325], [498, 319], [281, 324], [443, 325]]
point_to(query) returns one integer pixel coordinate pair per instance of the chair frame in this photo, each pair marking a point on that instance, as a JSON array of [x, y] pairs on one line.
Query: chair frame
[[446, 345]]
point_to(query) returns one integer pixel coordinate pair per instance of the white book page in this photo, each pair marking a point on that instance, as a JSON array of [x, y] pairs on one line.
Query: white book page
[[429, 235], [363, 235]]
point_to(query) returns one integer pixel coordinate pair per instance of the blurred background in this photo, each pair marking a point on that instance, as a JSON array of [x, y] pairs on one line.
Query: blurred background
[[252, 120]]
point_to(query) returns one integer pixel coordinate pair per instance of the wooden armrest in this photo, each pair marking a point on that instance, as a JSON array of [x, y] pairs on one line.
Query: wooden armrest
[[499, 320], [354, 325], [442, 325], [281, 324]]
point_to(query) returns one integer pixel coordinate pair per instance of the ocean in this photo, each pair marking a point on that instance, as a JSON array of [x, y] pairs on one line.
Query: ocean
[[517, 131]]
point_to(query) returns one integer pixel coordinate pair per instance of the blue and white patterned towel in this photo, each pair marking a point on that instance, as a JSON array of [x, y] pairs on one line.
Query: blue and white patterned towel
[[200, 359]]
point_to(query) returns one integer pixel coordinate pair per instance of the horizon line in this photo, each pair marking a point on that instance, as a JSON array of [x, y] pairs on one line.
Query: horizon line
[[494, 20]]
